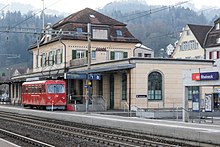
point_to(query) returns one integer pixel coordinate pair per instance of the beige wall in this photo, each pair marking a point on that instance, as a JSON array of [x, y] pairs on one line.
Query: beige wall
[[101, 56], [172, 75], [190, 54]]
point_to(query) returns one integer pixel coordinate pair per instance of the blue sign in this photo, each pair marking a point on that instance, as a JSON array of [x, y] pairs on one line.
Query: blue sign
[[75, 76], [209, 76], [94, 77]]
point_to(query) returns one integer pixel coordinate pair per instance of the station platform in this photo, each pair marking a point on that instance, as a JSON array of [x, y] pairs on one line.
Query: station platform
[[5, 143], [204, 133]]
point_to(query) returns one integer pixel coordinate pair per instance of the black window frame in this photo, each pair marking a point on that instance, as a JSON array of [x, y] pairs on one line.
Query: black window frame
[[155, 86]]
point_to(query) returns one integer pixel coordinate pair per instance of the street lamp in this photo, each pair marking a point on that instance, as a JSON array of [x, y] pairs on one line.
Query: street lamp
[[9, 72], [142, 47], [137, 46]]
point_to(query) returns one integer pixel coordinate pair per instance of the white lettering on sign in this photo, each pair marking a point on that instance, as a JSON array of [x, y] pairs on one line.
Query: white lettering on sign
[[207, 77]]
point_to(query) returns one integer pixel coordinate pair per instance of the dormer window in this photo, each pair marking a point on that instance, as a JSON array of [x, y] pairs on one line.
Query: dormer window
[[119, 33], [188, 32], [99, 33], [218, 40], [217, 27], [79, 30]]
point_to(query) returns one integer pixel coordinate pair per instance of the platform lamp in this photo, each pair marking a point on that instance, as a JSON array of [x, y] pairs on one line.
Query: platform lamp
[[137, 46]]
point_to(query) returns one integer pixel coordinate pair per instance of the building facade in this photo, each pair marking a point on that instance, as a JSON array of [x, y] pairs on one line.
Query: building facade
[[212, 43], [190, 43], [127, 77]]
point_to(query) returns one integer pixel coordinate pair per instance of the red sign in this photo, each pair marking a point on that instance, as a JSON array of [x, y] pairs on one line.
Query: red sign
[[196, 76]]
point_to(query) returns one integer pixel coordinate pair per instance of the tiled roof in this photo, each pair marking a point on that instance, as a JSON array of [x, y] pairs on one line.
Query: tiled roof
[[82, 18], [212, 36], [200, 32], [86, 16]]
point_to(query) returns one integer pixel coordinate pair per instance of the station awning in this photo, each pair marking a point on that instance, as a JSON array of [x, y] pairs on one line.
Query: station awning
[[107, 68]]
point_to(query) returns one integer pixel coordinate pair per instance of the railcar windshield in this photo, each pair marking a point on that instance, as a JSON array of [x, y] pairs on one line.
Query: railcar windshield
[[56, 88]]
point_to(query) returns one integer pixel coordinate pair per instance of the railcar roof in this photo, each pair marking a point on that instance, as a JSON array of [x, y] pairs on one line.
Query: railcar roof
[[41, 82]]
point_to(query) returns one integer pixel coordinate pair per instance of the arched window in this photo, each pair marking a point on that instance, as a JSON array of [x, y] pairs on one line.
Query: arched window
[[155, 86]]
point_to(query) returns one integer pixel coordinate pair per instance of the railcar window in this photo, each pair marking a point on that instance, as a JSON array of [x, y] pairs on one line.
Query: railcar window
[[43, 89], [29, 89], [56, 88], [40, 88], [23, 89]]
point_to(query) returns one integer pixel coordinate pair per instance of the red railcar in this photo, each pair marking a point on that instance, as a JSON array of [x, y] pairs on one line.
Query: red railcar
[[48, 94]]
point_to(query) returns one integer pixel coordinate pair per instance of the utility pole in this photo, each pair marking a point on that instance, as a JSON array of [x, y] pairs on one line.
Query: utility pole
[[88, 83], [43, 15]]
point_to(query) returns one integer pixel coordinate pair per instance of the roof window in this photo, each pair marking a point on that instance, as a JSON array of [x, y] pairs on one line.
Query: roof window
[[79, 30], [92, 16], [119, 33], [217, 27]]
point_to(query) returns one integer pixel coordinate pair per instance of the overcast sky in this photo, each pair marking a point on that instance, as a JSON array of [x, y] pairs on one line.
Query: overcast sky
[[71, 6]]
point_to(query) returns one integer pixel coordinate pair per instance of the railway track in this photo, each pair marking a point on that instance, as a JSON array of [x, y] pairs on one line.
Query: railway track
[[24, 139], [104, 136]]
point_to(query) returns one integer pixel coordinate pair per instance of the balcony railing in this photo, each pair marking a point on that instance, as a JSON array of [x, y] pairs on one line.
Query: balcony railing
[[78, 62]]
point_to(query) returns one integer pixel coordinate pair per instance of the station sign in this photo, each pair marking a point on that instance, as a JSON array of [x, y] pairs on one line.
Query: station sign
[[141, 96], [94, 77], [75, 76], [82, 76], [206, 76]]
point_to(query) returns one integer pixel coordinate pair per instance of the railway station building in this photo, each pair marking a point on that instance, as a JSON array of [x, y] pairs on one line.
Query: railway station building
[[123, 73]]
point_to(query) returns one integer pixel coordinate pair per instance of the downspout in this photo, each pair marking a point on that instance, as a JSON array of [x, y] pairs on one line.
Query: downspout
[[129, 89]]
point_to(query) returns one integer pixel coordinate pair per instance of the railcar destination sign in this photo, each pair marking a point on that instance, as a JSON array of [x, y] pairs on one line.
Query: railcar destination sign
[[205, 76]]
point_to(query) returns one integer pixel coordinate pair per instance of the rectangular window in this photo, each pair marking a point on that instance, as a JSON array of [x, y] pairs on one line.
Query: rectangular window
[[184, 45], [80, 54], [139, 54], [100, 34], [93, 55], [192, 90], [192, 44], [58, 58], [188, 32], [119, 33], [218, 40], [43, 60], [79, 30], [51, 58], [147, 55], [217, 26], [118, 55], [210, 55]]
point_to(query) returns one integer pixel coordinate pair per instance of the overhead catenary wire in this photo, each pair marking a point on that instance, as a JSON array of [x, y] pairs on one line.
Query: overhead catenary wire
[[4, 7], [34, 14], [157, 10]]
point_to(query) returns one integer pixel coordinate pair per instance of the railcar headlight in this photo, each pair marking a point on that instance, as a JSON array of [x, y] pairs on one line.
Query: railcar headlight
[[63, 98], [49, 98]]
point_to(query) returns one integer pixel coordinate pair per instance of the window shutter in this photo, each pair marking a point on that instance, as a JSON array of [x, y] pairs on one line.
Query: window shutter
[[41, 61], [86, 53], [112, 54], [210, 55], [217, 54], [56, 57], [125, 55], [61, 57], [73, 54], [53, 55]]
